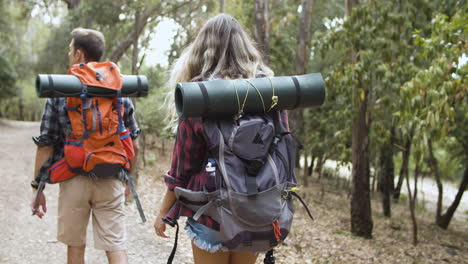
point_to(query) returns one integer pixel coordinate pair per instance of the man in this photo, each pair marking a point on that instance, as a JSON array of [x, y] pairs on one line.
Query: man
[[81, 196]]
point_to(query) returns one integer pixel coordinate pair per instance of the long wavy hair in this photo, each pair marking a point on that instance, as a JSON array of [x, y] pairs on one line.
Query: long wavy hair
[[221, 50]]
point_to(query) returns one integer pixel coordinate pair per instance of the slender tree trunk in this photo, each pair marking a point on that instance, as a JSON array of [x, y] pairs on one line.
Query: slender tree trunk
[[72, 3], [302, 59], [222, 6], [387, 174], [318, 169], [349, 4], [434, 165], [303, 37], [412, 202], [135, 45], [404, 166], [262, 27], [444, 220], [305, 169], [20, 108], [311, 166], [361, 214]]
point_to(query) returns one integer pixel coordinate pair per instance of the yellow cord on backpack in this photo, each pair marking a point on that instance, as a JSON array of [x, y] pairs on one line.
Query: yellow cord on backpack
[[274, 98], [292, 189], [259, 94], [241, 108]]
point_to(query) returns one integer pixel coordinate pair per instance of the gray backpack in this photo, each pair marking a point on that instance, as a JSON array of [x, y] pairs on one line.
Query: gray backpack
[[249, 193]]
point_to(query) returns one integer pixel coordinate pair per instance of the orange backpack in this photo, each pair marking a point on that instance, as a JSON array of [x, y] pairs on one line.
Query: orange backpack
[[99, 144]]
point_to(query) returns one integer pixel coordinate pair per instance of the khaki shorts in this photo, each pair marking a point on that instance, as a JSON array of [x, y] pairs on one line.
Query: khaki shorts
[[81, 196]]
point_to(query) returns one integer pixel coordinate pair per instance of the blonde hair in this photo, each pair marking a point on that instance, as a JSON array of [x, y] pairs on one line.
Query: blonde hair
[[222, 49]]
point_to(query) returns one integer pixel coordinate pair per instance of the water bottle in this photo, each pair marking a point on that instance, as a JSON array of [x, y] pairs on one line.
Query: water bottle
[[210, 184]]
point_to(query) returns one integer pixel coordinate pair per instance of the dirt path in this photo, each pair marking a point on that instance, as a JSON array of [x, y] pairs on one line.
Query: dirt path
[[27, 239]]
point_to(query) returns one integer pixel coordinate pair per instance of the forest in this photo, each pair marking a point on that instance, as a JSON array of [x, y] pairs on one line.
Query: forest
[[395, 72]]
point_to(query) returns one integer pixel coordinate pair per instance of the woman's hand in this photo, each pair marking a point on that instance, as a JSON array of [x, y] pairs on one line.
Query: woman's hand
[[160, 227]]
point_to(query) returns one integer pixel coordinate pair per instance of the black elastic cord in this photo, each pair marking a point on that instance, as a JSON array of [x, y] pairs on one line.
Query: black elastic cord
[[171, 257], [206, 107], [298, 91], [303, 203]]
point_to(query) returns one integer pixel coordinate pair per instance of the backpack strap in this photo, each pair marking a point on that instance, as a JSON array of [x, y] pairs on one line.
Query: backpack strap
[[269, 258], [86, 105], [135, 196], [174, 248], [121, 127]]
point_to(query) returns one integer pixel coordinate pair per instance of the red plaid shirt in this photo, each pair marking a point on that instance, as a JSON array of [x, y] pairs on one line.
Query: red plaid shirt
[[188, 164]]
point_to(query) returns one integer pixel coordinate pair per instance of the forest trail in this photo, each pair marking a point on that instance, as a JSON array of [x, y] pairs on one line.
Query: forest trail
[[26, 239]]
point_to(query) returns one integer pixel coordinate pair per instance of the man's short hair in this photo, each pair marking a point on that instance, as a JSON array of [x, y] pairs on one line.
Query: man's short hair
[[91, 42]]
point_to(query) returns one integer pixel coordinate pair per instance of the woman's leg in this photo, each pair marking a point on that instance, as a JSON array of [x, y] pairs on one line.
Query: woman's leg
[[201, 256], [242, 258]]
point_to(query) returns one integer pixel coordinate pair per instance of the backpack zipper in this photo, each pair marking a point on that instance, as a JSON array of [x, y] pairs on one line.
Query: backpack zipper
[[99, 116]]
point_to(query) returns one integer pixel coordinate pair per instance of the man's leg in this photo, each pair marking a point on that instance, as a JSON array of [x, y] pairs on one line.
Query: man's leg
[[75, 255], [73, 216], [117, 257], [109, 219]]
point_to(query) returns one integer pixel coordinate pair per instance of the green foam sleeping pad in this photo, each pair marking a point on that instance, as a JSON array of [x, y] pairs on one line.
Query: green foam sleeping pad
[[223, 98], [61, 85]]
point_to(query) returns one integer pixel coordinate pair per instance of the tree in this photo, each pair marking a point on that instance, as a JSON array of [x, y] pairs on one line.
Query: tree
[[436, 101], [7, 79], [262, 27]]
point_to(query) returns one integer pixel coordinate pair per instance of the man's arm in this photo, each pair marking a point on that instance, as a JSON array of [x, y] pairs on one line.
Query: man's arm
[[134, 161], [38, 206]]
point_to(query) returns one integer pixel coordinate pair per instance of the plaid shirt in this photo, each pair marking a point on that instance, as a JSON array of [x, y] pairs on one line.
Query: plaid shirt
[[188, 164], [55, 126]]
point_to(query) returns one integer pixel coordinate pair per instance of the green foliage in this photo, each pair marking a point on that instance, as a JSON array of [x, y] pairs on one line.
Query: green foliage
[[7, 79], [150, 111], [435, 99]]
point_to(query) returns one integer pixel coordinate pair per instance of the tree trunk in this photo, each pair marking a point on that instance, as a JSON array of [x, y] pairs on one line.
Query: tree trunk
[[434, 165], [311, 166], [20, 108], [305, 169], [318, 169], [140, 24], [349, 4], [262, 27], [404, 166], [361, 214], [72, 3], [303, 38], [387, 174], [412, 202], [222, 6], [444, 220], [135, 45]]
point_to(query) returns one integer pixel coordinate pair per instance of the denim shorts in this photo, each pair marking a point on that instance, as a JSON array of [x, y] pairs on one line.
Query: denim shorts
[[203, 237]]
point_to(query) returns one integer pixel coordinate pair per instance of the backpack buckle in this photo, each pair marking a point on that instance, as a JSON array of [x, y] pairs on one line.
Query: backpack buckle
[[253, 167]]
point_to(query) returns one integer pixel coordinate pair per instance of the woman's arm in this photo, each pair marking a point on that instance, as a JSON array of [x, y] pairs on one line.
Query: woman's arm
[[168, 201]]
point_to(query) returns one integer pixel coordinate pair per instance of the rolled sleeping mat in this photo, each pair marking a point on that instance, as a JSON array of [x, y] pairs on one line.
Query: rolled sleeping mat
[[61, 85], [222, 98]]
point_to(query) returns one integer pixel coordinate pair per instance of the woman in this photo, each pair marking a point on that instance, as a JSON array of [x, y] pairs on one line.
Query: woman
[[221, 50]]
